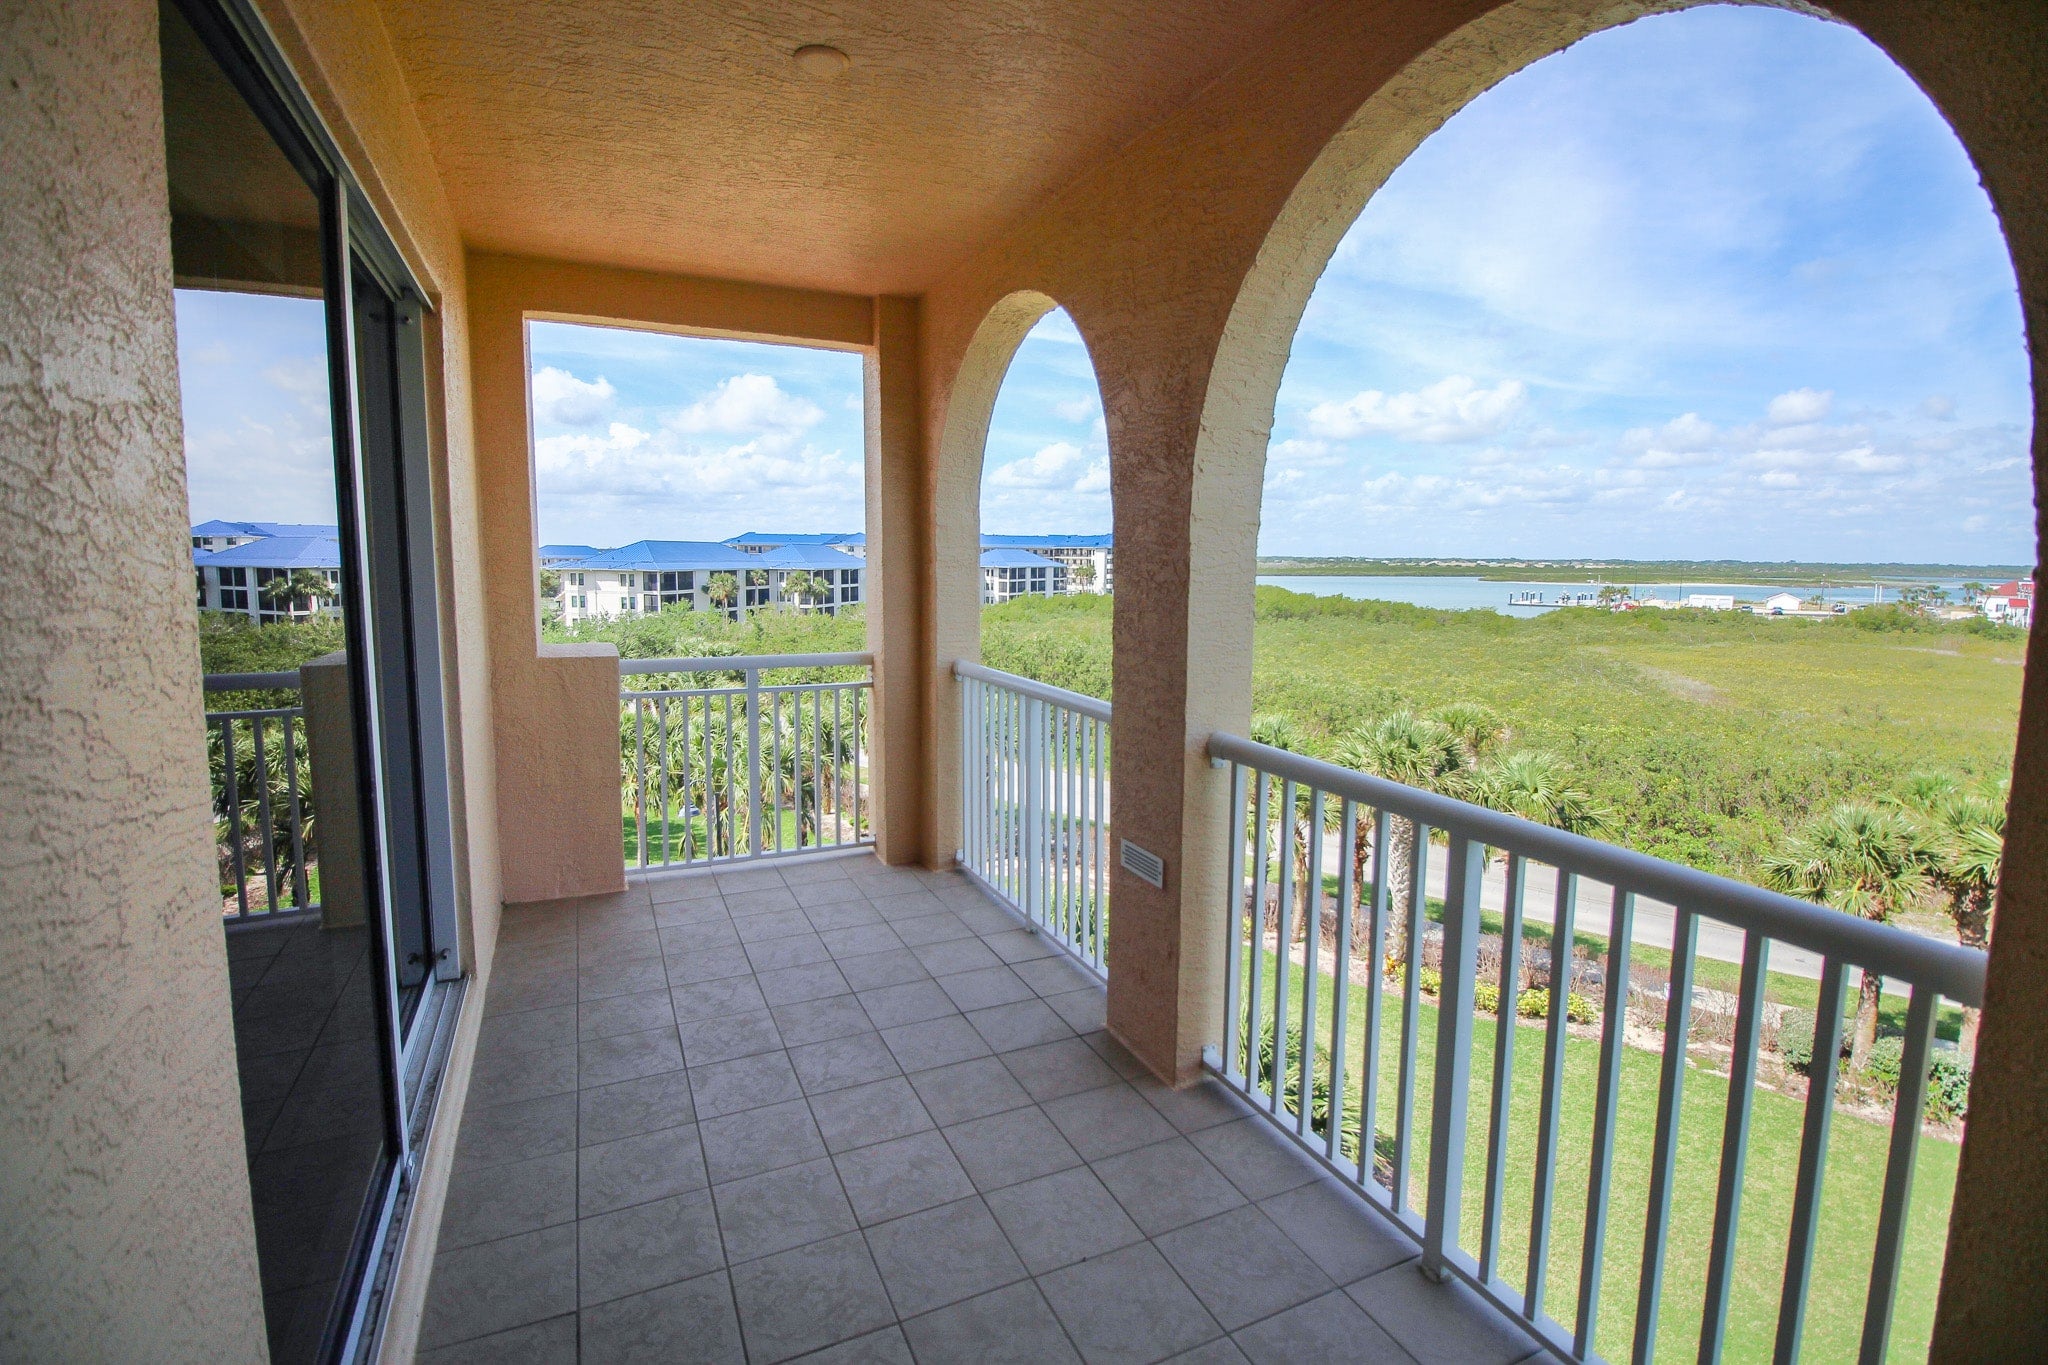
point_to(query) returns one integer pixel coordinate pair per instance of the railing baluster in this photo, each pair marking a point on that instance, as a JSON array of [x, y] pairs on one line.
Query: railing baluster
[[1907, 1108], [1734, 1144], [301, 893], [640, 779], [263, 821], [1563, 931], [1411, 1014], [1620, 931], [689, 828], [1340, 977], [234, 803], [1822, 1073], [1282, 943], [1503, 1066], [1255, 1027], [1685, 931], [1233, 962], [661, 748], [1311, 941], [1375, 1004], [1464, 874]]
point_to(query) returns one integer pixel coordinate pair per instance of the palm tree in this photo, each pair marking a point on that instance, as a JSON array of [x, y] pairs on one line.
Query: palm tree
[[806, 587], [1860, 859], [309, 584], [723, 589], [1280, 732], [1537, 786], [1479, 729], [1961, 843], [1416, 752]]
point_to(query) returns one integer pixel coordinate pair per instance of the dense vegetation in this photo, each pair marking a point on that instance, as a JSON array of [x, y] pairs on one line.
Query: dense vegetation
[[1706, 735]]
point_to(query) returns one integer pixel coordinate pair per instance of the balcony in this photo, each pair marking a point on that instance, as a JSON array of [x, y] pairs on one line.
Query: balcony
[[753, 1114]]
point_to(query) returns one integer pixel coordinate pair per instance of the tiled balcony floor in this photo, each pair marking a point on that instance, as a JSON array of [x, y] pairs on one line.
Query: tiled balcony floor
[[847, 1109]]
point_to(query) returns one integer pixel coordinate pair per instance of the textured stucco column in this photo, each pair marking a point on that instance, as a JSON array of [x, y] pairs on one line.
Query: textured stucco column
[[125, 1230], [337, 800], [898, 588]]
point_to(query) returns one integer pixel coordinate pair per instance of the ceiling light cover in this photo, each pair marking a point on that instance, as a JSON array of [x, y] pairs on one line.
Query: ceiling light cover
[[820, 62]]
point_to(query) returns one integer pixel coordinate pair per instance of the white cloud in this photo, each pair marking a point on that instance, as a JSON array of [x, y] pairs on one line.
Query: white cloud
[[748, 404], [1060, 467], [561, 399], [1938, 406], [1454, 408], [1780, 478], [1800, 406], [1076, 409]]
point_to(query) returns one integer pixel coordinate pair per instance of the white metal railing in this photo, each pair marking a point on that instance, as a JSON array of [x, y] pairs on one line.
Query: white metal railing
[[1296, 820], [262, 802], [1034, 765], [743, 769]]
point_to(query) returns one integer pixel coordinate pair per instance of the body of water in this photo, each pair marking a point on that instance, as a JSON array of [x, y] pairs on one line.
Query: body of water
[[1516, 597]]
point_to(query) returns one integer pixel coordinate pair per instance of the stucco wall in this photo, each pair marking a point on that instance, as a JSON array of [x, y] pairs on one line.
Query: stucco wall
[[124, 1198]]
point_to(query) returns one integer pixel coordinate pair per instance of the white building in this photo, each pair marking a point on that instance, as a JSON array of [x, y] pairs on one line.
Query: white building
[[1090, 560], [2010, 603], [1780, 604], [1007, 573], [234, 578], [1711, 601], [650, 576]]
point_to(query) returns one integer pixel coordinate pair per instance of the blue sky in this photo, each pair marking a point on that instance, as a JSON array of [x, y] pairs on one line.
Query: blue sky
[[1713, 284]]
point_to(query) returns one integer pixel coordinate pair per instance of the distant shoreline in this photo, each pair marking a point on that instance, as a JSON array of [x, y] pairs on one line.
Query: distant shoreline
[[1579, 571]]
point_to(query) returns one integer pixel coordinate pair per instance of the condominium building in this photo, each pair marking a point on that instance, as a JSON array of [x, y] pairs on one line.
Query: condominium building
[[1019, 573], [1090, 560], [237, 578], [649, 576]]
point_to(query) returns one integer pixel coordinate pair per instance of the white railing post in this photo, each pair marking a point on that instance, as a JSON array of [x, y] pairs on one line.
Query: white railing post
[[754, 760], [1464, 875], [1031, 754]]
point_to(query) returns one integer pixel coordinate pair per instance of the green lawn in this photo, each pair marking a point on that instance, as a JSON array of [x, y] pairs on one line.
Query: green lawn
[[697, 845], [1853, 1185]]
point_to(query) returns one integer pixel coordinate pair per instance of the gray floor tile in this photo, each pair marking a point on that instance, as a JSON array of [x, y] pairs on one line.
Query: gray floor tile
[[1257, 1158], [847, 910], [1010, 1326], [511, 1035], [621, 978], [635, 1170], [1167, 1185], [1327, 1328], [1242, 1267], [747, 879], [671, 889], [540, 1343], [1058, 975], [648, 1245], [706, 964], [699, 935], [860, 940], [984, 917], [514, 992], [758, 1140], [497, 1285], [811, 872], [1439, 1324], [886, 1347], [838, 1063], [693, 1318], [1107, 1120], [941, 927], [901, 1176], [709, 910], [956, 955], [797, 950], [789, 985], [968, 1090], [792, 1207], [1066, 1067], [1348, 1240], [743, 1083], [1127, 1307], [867, 1114], [912, 1002], [1222, 1351], [1013, 1146], [1020, 945], [904, 904], [986, 986], [766, 903], [524, 1076], [616, 948], [1026, 1023], [1192, 1108], [628, 1108], [721, 995], [617, 1014], [489, 1202], [809, 1298], [495, 1134], [1059, 1219], [815, 1021], [812, 895], [1121, 1060], [935, 1042], [1085, 1010], [628, 1057], [893, 968], [942, 1255], [722, 1037]]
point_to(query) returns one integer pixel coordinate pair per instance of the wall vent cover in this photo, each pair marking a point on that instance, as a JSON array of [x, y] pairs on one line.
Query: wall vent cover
[[1143, 864]]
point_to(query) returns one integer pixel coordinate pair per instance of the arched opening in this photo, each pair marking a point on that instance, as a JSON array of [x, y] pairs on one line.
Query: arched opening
[[1494, 401]]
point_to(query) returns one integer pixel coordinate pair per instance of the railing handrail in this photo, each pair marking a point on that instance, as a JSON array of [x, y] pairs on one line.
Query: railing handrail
[[252, 682], [1058, 696], [1953, 970], [741, 662]]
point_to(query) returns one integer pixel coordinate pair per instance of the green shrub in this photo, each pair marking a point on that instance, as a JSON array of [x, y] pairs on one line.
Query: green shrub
[[1948, 1090], [1580, 1009], [1795, 1038], [1882, 1065], [1486, 997]]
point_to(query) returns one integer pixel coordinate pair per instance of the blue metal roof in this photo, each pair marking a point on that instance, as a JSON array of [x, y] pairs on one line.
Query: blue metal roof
[[276, 552], [1005, 558], [564, 554], [803, 538], [211, 529], [1101, 542], [672, 555], [809, 557]]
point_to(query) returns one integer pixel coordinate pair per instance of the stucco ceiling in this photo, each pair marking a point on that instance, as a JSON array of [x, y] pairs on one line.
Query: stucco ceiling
[[681, 136]]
